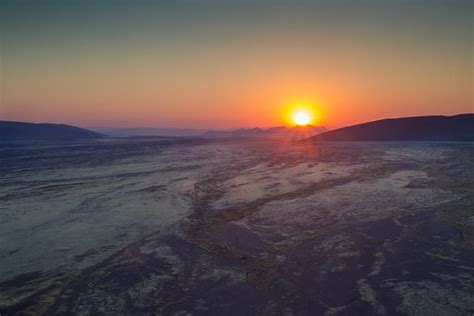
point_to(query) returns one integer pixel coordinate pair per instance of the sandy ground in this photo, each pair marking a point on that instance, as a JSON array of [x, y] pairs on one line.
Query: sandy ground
[[180, 227]]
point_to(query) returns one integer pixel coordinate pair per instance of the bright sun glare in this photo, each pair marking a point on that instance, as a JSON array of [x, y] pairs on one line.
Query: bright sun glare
[[302, 118]]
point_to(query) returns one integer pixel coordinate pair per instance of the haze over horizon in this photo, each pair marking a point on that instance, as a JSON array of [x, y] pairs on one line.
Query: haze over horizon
[[232, 64]]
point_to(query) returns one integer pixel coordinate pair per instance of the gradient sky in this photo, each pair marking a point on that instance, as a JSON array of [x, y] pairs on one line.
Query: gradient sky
[[226, 64]]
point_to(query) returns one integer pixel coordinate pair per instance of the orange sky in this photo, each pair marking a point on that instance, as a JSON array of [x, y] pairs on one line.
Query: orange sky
[[233, 65]]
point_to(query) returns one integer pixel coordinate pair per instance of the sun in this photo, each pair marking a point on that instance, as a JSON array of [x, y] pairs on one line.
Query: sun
[[301, 118], [301, 112]]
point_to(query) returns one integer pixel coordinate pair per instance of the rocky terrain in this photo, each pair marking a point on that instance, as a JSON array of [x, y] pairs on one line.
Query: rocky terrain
[[178, 227]]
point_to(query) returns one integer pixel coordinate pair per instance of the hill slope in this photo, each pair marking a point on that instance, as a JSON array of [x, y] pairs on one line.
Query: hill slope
[[10, 131], [419, 128]]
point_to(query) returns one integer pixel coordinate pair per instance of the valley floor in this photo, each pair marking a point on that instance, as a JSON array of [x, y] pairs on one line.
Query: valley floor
[[185, 226]]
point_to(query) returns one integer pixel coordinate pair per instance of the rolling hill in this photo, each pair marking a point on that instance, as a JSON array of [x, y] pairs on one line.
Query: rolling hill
[[419, 128], [14, 131]]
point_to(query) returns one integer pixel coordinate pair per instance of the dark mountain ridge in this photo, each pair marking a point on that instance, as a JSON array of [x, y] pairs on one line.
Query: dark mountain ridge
[[418, 128], [14, 131]]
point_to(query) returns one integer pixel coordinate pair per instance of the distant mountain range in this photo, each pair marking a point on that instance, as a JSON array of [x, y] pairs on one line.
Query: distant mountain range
[[293, 133], [12, 131], [149, 131], [419, 128]]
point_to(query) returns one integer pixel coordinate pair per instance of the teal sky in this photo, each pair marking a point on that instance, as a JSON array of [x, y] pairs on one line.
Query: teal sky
[[233, 63]]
